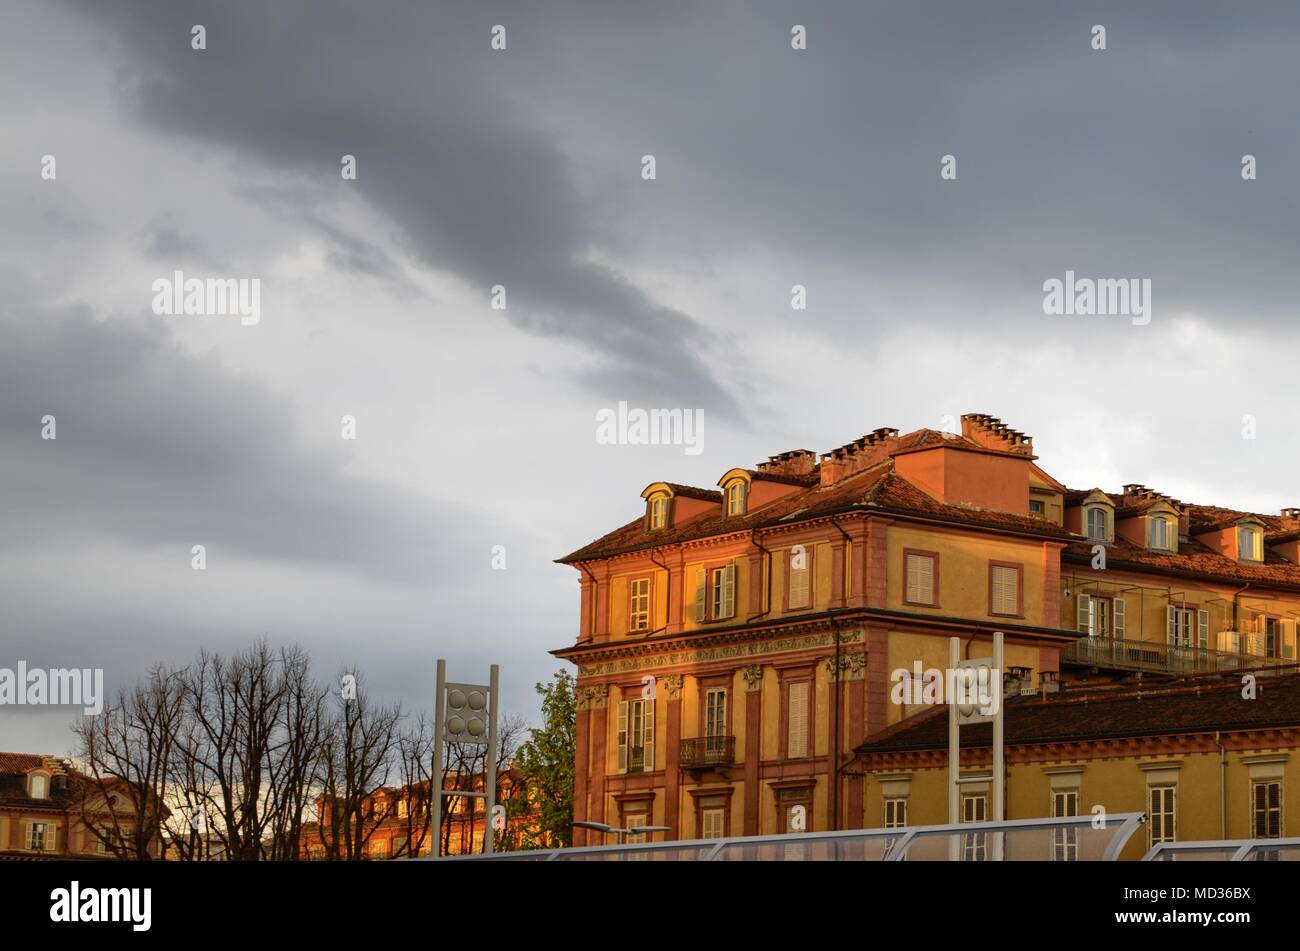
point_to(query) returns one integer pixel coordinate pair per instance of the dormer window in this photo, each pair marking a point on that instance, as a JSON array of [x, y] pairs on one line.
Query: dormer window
[[736, 496], [1162, 533], [1249, 544], [1098, 524], [658, 512], [38, 786]]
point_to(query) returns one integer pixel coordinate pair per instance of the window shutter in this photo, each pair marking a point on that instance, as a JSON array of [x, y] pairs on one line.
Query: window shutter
[[701, 592], [799, 585], [649, 741], [1117, 619], [712, 825], [1085, 616], [797, 741], [1288, 640], [1171, 614], [622, 736], [1005, 594], [920, 579], [728, 591], [1203, 628]]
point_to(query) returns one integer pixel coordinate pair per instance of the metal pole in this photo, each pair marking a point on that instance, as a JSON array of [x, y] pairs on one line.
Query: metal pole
[[999, 770], [490, 770], [435, 784], [954, 747]]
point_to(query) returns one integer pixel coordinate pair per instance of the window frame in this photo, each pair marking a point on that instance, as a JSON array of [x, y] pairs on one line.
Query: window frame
[[1019, 568], [1171, 815], [909, 553], [789, 678], [788, 604], [1256, 553], [658, 504], [736, 495], [632, 597], [1255, 813], [1106, 522]]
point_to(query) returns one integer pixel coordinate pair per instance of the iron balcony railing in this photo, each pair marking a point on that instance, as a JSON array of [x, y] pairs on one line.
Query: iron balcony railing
[[1155, 657], [707, 752], [636, 759]]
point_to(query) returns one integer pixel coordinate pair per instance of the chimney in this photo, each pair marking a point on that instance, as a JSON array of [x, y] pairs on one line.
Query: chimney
[[1291, 519], [863, 453], [794, 462], [991, 433]]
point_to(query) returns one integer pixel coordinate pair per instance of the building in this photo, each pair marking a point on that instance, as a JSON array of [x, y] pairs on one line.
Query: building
[[1205, 761], [396, 820], [49, 810], [736, 645]]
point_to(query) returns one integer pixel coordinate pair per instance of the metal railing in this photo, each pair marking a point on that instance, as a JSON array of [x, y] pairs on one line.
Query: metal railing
[[1073, 838], [1244, 850], [707, 751], [1155, 657]]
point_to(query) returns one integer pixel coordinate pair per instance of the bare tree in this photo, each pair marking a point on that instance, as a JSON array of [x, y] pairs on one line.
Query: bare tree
[[126, 752]]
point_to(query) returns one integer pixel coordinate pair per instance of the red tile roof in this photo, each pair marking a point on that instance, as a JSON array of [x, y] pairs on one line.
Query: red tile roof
[[1070, 716]]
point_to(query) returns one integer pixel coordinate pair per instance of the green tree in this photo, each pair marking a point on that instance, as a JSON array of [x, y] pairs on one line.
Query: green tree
[[547, 761]]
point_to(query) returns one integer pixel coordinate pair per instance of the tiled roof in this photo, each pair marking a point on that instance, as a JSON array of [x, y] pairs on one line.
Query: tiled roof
[[1192, 559], [877, 488], [14, 768], [1068, 717], [1208, 518], [691, 492]]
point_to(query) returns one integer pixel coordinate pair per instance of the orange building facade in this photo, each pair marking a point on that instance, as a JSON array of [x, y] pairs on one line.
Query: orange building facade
[[736, 645]]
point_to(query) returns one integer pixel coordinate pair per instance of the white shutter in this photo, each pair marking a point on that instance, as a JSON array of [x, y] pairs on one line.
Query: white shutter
[[701, 595], [920, 579], [728, 591], [1117, 621], [1085, 614], [799, 585], [797, 741], [1171, 614], [622, 736], [649, 735], [1203, 629], [712, 824]]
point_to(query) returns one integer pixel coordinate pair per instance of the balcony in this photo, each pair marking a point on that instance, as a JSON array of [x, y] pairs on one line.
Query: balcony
[[1154, 657], [636, 759], [707, 752]]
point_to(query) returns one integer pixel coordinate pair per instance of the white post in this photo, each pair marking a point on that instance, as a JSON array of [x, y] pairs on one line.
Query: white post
[[435, 784], [954, 749], [490, 771], [999, 770]]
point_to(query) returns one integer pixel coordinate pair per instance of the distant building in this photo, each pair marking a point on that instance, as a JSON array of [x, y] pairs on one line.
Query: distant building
[[48, 809], [396, 820]]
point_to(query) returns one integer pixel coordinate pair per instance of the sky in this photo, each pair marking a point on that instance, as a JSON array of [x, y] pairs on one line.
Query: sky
[[523, 168]]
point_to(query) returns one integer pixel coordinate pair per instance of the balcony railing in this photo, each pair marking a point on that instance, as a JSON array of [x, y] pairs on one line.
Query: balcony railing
[[1155, 657], [636, 759], [707, 752]]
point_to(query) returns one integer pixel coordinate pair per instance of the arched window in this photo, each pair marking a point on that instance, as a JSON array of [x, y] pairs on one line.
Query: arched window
[[658, 512], [1161, 534], [38, 786], [1098, 524], [736, 497]]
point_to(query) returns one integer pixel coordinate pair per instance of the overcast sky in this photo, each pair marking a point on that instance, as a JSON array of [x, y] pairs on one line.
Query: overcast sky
[[522, 167]]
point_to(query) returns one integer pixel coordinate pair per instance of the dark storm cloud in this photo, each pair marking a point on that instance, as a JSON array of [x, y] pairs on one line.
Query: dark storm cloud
[[479, 187], [157, 448]]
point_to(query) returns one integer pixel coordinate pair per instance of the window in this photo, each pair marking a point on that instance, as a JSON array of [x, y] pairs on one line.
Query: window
[[38, 785], [1248, 547], [400, 844], [1098, 524], [36, 837], [1161, 534], [402, 809], [638, 612], [1004, 589], [1266, 809], [921, 569], [736, 493], [1036, 507], [1101, 616], [1065, 842], [636, 820], [723, 587], [379, 849], [1188, 627], [636, 734], [1163, 813], [658, 512], [1272, 637], [799, 591], [713, 823], [975, 844], [797, 720], [715, 712], [896, 812]]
